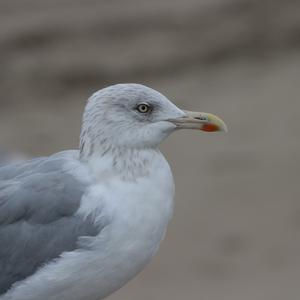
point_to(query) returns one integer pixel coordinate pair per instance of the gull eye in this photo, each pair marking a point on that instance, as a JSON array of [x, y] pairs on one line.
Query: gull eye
[[143, 108]]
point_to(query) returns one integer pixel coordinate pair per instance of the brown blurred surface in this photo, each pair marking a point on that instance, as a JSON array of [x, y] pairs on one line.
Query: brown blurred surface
[[236, 230]]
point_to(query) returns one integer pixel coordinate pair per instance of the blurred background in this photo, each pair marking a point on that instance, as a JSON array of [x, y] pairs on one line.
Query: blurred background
[[236, 230]]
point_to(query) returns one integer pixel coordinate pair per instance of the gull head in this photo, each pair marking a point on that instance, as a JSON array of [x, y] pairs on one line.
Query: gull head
[[136, 116]]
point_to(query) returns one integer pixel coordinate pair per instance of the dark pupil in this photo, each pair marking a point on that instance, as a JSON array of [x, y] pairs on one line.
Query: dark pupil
[[143, 108]]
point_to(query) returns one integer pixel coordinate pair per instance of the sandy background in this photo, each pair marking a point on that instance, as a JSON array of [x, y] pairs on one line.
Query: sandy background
[[236, 230]]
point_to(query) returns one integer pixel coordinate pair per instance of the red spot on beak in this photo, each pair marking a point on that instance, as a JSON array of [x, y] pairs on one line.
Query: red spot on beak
[[209, 127]]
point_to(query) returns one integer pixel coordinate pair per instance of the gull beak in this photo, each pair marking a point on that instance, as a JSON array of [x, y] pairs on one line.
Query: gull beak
[[201, 121]]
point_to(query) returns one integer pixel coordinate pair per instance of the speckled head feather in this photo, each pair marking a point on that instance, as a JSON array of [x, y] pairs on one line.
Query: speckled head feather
[[111, 119]]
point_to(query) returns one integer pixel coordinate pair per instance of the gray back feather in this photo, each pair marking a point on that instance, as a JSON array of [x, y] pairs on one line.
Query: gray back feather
[[38, 202]]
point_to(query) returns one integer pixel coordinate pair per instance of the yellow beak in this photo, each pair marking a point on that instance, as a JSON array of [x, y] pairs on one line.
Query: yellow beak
[[201, 121]]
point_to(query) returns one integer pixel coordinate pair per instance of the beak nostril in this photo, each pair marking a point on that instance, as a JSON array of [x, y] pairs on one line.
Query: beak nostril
[[201, 118]]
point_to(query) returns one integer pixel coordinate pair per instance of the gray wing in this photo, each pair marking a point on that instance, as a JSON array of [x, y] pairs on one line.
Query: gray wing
[[38, 201]]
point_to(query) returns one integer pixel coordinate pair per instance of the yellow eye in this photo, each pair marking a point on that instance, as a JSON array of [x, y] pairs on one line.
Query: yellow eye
[[143, 108]]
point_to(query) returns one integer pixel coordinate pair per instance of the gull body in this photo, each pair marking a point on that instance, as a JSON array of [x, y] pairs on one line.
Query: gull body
[[80, 224], [135, 214]]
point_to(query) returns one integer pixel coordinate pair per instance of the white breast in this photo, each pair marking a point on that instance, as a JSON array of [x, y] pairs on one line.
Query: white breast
[[138, 213]]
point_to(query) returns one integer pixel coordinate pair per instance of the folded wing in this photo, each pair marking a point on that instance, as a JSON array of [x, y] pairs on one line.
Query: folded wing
[[38, 221]]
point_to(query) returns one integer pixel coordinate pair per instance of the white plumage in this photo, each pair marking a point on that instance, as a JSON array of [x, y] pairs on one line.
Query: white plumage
[[104, 209]]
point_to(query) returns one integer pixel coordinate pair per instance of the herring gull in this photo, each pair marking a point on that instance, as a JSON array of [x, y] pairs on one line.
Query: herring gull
[[79, 224]]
